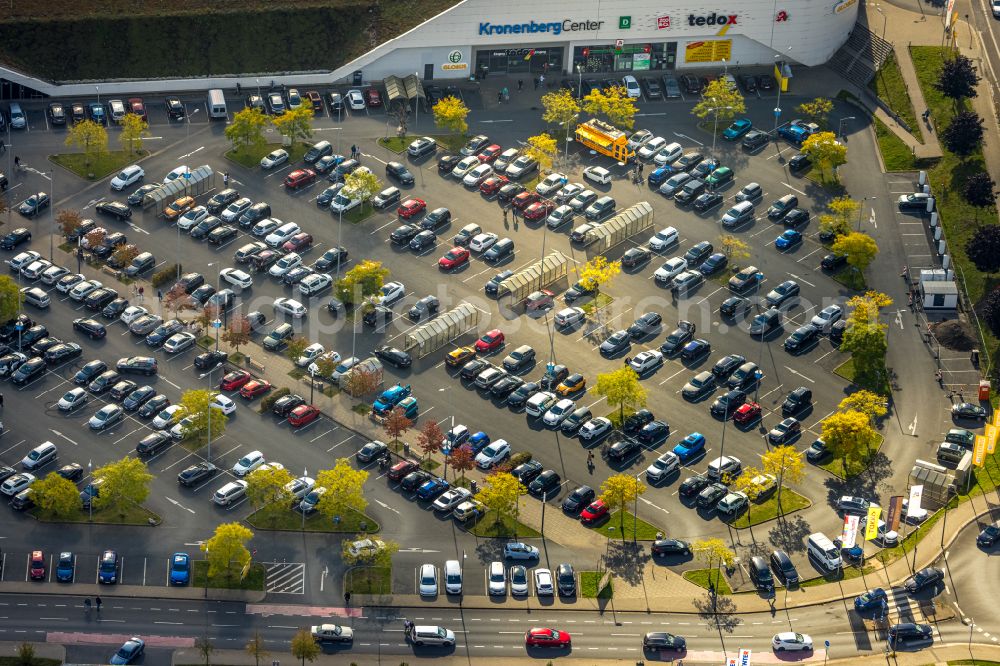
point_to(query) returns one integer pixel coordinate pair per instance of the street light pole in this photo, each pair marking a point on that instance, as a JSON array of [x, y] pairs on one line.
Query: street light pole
[[579, 81], [52, 212]]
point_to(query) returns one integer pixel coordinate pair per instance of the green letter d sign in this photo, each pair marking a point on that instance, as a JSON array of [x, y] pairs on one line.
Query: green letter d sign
[[624, 22]]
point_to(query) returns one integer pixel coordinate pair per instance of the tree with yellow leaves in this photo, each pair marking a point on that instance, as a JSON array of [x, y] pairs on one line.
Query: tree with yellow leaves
[[867, 402], [621, 388], [599, 271], [721, 101], [561, 108], [850, 437], [784, 462], [749, 482], [714, 553], [619, 492], [295, 123], [89, 136], [500, 492], [345, 489], [734, 248], [865, 338], [133, 130], [226, 548], [826, 152], [842, 213], [450, 114], [614, 104], [542, 148], [859, 248]]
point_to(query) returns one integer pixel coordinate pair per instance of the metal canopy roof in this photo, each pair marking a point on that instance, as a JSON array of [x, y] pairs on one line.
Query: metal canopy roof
[[442, 329], [537, 275]]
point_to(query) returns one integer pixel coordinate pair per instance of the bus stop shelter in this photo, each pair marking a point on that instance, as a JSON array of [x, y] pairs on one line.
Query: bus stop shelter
[[194, 183], [539, 274], [441, 330], [621, 227]]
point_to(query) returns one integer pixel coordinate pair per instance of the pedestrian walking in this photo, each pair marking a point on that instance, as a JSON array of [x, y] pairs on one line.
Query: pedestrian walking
[[504, 215], [499, 97], [536, 83], [225, 178], [159, 296], [641, 167], [17, 162], [86, 603], [520, 85], [506, 94], [142, 294], [541, 79], [1, 400], [98, 602], [238, 89]]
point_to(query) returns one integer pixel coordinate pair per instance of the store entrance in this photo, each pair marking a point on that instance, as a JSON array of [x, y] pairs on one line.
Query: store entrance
[[519, 61], [629, 58]]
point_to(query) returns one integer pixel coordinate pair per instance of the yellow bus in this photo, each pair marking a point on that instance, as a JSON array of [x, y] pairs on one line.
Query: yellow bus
[[605, 139]]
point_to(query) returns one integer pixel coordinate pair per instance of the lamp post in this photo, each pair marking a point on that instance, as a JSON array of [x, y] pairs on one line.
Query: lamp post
[[579, 81], [90, 502], [416, 106], [208, 373], [715, 131], [305, 473], [217, 322], [879, 10], [760, 353], [98, 89], [52, 211], [258, 89], [188, 117], [777, 107]]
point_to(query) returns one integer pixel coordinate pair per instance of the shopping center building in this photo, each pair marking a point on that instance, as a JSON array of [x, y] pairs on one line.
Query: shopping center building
[[484, 37]]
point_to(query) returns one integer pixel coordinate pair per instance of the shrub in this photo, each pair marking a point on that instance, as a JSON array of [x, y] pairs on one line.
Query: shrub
[[268, 402], [520, 458], [164, 276]]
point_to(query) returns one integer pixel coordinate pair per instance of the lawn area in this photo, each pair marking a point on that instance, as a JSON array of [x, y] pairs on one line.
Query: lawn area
[[702, 577], [505, 527], [103, 164], [352, 523], [42, 661], [612, 527], [767, 510], [135, 515], [597, 303], [359, 214], [847, 371], [253, 581], [398, 144], [617, 417], [368, 580], [250, 157], [846, 573], [973, 662], [889, 86], [896, 154], [589, 580], [835, 466], [851, 278]]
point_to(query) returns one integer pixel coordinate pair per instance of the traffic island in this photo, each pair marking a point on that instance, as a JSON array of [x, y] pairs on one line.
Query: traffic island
[[100, 165], [231, 580], [627, 527], [250, 156], [769, 509], [136, 515], [368, 580], [709, 579], [352, 522], [503, 527]]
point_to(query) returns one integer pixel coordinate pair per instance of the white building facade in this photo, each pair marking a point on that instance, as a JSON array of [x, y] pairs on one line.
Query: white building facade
[[482, 37]]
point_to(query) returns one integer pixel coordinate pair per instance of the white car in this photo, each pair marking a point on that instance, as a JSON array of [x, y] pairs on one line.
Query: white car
[[663, 239], [651, 147], [166, 417], [265, 226], [294, 98], [597, 174], [236, 277], [428, 580], [505, 159], [522, 166], [314, 284], [310, 354], [518, 581], [666, 464], [17, 483], [790, 640], [177, 173], [35, 269], [67, 285], [543, 583], [274, 158], [645, 361], [826, 318], [23, 259], [669, 154], [570, 316], [495, 453], [670, 269], [482, 242], [631, 86], [229, 493], [72, 399], [224, 403], [452, 498], [192, 218], [995, 8], [343, 203], [280, 235], [560, 216], [558, 412], [127, 176], [179, 431], [497, 579], [248, 463], [235, 209], [132, 313], [550, 184], [290, 306], [475, 177], [178, 342], [285, 264], [391, 293], [595, 428], [300, 487], [568, 192], [333, 356], [355, 100], [106, 416], [465, 166]]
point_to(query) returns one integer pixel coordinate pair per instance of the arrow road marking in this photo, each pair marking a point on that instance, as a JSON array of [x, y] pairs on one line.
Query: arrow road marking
[[899, 318], [684, 136], [801, 279], [59, 434], [178, 504], [199, 148], [92, 202], [385, 506], [796, 372], [913, 426]]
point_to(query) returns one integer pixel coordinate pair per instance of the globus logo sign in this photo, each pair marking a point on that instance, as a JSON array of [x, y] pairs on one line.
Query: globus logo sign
[[455, 56], [712, 19]]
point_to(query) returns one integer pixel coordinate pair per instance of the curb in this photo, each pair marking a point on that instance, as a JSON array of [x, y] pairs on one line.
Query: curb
[[136, 591]]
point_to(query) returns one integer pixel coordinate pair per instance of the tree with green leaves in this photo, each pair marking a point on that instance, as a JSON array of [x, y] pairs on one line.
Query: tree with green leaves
[[826, 152], [983, 248], [865, 337], [500, 492], [450, 114], [195, 403], [345, 489], [958, 78], [227, 549], [133, 130], [268, 493], [10, 298], [816, 111], [294, 347], [619, 492], [237, 333], [88, 136], [980, 191], [246, 129], [56, 494], [720, 100], [362, 184], [361, 281], [126, 485], [964, 134], [991, 310], [859, 248], [621, 388], [295, 124]]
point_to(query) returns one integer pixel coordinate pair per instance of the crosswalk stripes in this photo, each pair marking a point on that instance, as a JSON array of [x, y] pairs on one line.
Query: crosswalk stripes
[[285, 577], [902, 609]]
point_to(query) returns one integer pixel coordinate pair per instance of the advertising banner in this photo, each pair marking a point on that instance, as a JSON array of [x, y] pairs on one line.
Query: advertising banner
[[709, 51], [991, 438], [732, 662], [640, 62], [949, 14], [916, 493], [871, 525], [979, 451], [744, 657], [849, 535], [895, 513]]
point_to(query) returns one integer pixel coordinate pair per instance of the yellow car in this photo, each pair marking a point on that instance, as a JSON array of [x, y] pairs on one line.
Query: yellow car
[[571, 384], [178, 208], [460, 356]]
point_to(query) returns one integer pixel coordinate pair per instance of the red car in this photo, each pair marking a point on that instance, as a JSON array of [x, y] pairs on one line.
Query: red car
[[299, 242], [524, 199], [411, 207], [596, 511], [456, 257], [299, 178], [747, 413], [401, 469], [492, 185], [302, 415], [542, 637], [136, 106], [493, 340], [372, 97], [37, 566], [490, 153], [234, 380], [254, 388], [538, 210]]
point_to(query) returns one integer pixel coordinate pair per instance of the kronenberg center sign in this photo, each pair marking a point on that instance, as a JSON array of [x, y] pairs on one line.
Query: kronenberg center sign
[[555, 27]]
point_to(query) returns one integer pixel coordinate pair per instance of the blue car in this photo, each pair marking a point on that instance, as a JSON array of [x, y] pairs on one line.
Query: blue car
[[64, 570], [690, 446], [432, 488], [390, 398], [410, 407], [737, 129], [479, 441], [107, 571], [871, 600], [129, 652], [787, 239], [659, 175], [180, 569]]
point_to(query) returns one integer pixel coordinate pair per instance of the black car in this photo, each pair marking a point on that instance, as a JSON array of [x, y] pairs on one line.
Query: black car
[[729, 402], [29, 371], [833, 262], [394, 357], [435, 219], [221, 200], [32, 335], [153, 406], [11, 362], [143, 365], [652, 88], [195, 474], [670, 547], [653, 432], [175, 110], [34, 204], [15, 238], [163, 332], [115, 209], [61, 352], [715, 263], [837, 331], [423, 239], [755, 139], [43, 345], [414, 480], [505, 386], [578, 499], [545, 484], [795, 218], [637, 421], [221, 235], [377, 317], [989, 535], [153, 442], [623, 449], [190, 281], [331, 259], [372, 451], [522, 394], [472, 369], [928, 577], [404, 234], [656, 641], [526, 472], [205, 227], [71, 472], [115, 308], [647, 324], [138, 397], [203, 293], [507, 193], [796, 401], [122, 389], [733, 306], [9, 330], [446, 163], [693, 485], [88, 372], [492, 287], [103, 381], [800, 339], [635, 256], [678, 337], [908, 633], [711, 495], [254, 214], [398, 171], [799, 162], [616, 343], [284, 405], [140, 192], [90, 327], [577, 291], [98, 298], [209, 359], [109, 245]]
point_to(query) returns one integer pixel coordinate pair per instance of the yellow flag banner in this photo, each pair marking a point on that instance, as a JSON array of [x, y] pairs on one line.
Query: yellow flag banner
[[991, 438], [979, 451], [871, 525]]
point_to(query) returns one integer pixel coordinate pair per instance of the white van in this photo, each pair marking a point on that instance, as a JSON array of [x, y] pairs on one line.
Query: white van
[[823, 551], [425, 634], [217, 104], [452, 577], [39, 456]]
